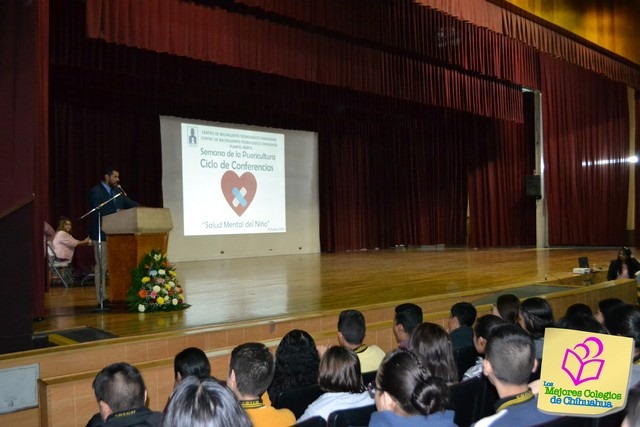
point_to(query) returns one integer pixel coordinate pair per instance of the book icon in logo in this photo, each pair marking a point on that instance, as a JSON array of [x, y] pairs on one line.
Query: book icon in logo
[[581, 363]]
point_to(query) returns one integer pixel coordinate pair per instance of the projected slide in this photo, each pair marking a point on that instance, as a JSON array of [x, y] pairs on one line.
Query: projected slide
[[233, 181]]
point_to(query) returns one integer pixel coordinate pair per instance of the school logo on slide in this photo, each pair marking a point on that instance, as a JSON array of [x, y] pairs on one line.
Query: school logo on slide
[[239, 190]]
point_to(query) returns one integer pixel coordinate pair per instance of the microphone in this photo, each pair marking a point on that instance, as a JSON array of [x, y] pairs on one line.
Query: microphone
[[122, 189]]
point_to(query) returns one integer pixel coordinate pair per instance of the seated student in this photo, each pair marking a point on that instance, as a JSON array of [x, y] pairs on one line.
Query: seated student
[[507, 307], [579, 309], [203, 402], [251, 370], [407, 395], [624, 320], [191, 362], [606, 305], [407, 317], [351, 333], [463, 314], [340, 379], [121, 396], [63, 242], [297, 363], [510, 360], [536, 315], [624, 266], [481, 333], [431, 342]]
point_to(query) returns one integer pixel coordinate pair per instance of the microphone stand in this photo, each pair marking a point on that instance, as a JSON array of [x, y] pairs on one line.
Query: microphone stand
[[102, 280]]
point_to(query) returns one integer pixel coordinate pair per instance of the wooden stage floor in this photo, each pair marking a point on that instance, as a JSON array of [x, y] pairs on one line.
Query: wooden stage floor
[[246, 289]]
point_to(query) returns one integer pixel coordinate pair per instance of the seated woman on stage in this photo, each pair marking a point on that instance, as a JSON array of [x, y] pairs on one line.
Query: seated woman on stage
[[297, 363], [623, 267], [63, 242], [432, 343], [406, 394], [339, 377]]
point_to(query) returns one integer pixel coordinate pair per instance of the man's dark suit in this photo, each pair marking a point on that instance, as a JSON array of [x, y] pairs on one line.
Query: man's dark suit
[[98, 195]]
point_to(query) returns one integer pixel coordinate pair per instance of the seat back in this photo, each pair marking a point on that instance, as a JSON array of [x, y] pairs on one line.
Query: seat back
[[465, 358], [351, 417], [465, 397], [568, 422], [313, 422], [368, 377], [297, 399]]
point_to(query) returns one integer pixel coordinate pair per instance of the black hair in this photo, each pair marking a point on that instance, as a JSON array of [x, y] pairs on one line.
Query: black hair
[[253, 366], [608, 304], [192, 362], [409, 316], [579, 309], [537, 315], [582, 323], [352, 325], [340, 371], [511, 353], [203, 402], [465, 313], [433, 344], [624, 320], [508, 306], [297, 362], [120, 385], [404, 377], [486, 324]]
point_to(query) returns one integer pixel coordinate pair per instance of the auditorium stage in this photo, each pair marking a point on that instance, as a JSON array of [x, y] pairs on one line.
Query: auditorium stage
[[279, 287]]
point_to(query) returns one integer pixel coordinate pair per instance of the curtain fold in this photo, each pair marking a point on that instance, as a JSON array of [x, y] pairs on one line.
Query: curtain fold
[[586, 143]]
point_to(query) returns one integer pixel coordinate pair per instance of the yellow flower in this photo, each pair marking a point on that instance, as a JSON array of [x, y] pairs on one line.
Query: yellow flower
[[172, 273], [167, 286], [145, 280], [160, 300]]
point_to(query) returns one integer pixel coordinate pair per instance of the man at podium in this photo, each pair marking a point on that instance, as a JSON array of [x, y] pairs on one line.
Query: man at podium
[[110, 198]]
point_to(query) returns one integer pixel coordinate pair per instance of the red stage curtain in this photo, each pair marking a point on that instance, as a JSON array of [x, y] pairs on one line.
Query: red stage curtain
[[441, 60], [586, 143]]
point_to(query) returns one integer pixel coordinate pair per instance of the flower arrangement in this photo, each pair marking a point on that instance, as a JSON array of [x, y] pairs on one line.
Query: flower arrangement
[[155, 285]]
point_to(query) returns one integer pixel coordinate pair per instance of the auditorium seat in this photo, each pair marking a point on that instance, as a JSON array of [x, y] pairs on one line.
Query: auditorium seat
[[312, 422], [368, 377], [465, 398], [568, 422], [354, 417], [465, 358], [297, 399]]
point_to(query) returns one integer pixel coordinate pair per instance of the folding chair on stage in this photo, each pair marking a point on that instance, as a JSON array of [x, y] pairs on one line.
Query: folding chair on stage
[[62, 267]]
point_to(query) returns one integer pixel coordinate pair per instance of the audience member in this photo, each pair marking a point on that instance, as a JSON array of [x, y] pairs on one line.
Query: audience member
[[191, 362], [351, 333], [481, 333], [297, 363], [579, 309], [624, 266], [63, 242], [581, 323], [431, 342], [507, 306], [510, 360], [407, 317], [633, 409], [606, 305], [121, 396], [406, 394], [340, 379], [463, 314], [624, 320], [535, 316], [203, 402], [251, 370]]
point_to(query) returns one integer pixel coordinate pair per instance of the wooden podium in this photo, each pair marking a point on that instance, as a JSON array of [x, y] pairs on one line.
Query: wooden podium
[[132, 233]]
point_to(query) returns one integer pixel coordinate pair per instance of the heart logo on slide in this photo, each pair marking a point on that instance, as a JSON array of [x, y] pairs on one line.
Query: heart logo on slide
[[238, 190]]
